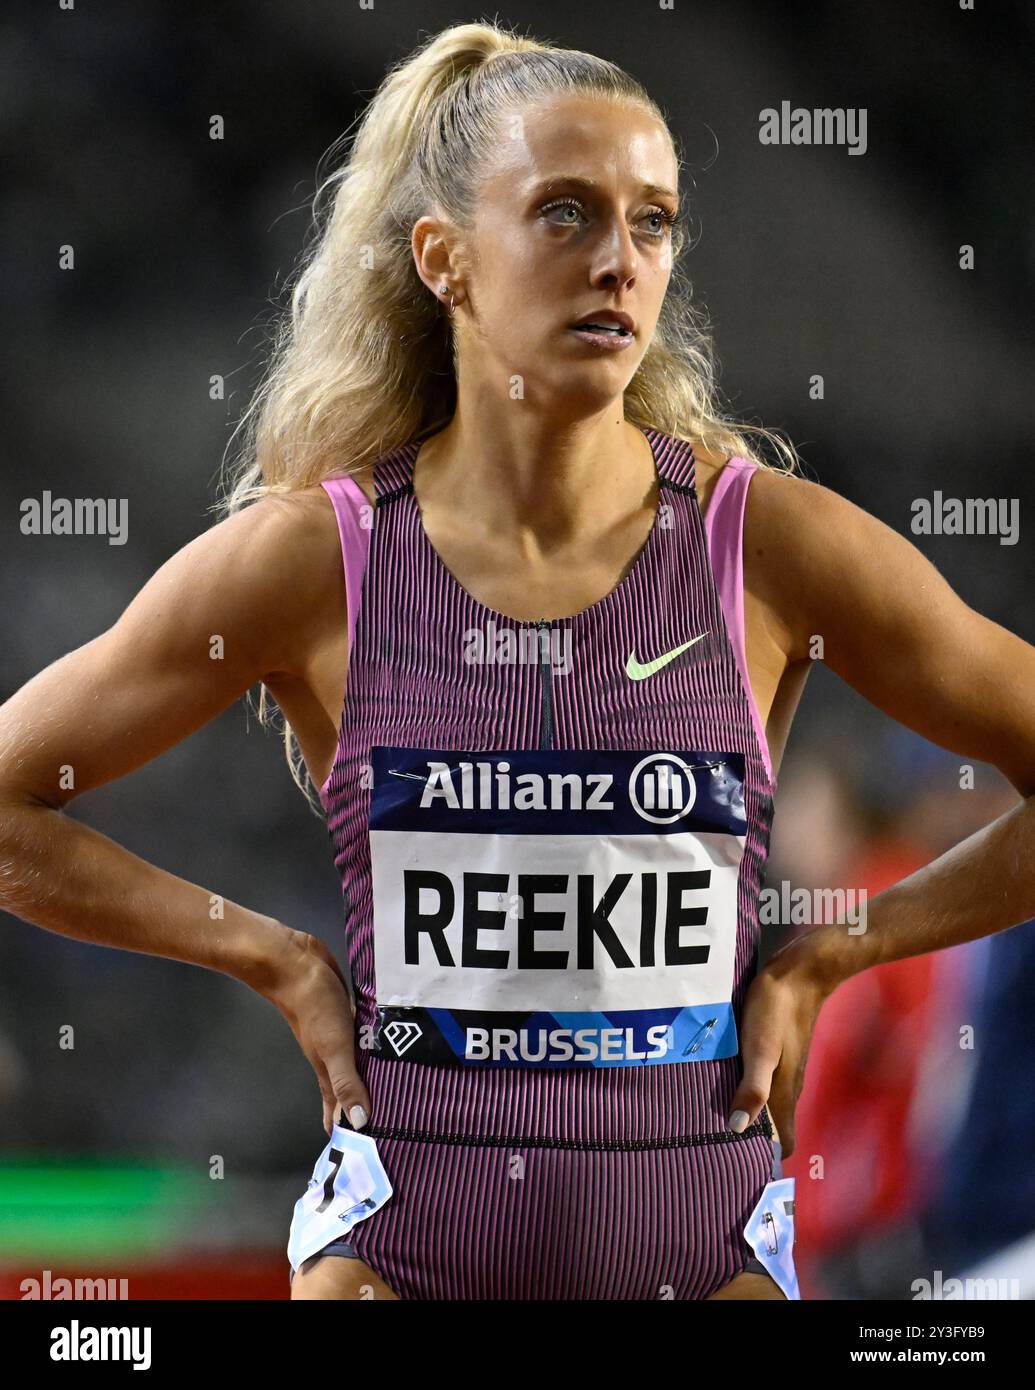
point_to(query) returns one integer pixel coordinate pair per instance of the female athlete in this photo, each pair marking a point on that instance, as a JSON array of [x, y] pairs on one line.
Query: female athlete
[[571, 640]]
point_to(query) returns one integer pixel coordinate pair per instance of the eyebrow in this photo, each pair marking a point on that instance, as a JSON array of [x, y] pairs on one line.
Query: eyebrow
[[592, 186]]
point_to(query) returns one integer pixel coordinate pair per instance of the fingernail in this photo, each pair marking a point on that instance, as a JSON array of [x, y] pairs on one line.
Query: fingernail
[[358, 1117], [738, 1121]]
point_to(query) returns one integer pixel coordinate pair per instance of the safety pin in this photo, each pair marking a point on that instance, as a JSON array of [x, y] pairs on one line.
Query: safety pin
[[356, 1206], [696, 1046], [772, 1245]]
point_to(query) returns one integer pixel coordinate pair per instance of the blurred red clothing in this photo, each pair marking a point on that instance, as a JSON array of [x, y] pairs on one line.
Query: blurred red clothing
[[853, 1161]]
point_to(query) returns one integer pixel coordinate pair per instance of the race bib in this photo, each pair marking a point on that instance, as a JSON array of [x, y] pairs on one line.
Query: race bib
[[348, 1185], [770, 1233], [555, 907]]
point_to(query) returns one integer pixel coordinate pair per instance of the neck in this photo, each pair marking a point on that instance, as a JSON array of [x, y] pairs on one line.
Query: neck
[[540, 484]]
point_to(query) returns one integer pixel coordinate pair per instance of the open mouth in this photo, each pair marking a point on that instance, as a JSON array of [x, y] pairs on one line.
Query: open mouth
[[602, 327], [602, 332]]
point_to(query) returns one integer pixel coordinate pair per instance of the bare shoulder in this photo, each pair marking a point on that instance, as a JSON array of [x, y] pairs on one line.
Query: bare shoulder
[[272, 574], [298, 528], [300, 543], [807, 549], [816, 536], [285, 536]]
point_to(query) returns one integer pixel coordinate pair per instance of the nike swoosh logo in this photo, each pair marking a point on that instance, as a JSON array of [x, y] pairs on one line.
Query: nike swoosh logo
[[638, 671]]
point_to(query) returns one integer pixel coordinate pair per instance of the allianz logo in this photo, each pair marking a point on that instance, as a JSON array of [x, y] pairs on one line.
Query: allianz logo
[[660, 788]]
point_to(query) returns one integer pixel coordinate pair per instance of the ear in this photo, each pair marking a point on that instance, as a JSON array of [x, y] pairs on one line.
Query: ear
[[431, 242]]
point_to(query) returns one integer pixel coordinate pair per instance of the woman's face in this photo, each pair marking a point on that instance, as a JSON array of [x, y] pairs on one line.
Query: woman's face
[[570, 223]]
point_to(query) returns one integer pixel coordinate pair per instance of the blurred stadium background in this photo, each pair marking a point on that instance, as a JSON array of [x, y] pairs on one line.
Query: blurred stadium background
[[810, 261]]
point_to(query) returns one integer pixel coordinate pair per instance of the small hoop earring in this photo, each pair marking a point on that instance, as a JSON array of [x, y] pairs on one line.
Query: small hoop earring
[[452, 304]]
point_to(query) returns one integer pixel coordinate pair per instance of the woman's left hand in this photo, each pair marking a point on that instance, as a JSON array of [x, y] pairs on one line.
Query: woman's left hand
[[776, 1025]]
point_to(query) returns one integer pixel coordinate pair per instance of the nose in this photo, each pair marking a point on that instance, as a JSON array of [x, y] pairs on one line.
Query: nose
[[615, 261]]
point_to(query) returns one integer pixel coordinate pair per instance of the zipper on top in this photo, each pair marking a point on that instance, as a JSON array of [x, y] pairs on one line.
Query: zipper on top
[[546, 704]]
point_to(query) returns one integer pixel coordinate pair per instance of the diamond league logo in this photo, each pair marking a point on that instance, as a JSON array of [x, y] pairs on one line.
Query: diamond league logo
[[665, 791], [402, 1035]]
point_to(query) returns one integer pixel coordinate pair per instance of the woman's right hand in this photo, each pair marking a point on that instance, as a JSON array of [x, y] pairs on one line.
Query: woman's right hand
[[310, 991]]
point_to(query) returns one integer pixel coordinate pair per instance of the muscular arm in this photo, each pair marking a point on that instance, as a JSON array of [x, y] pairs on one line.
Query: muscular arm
[[897, 633], [239, 602]]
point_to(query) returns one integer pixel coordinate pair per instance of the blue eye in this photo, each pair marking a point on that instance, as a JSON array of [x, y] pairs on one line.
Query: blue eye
[[668, 219], [564, 203]]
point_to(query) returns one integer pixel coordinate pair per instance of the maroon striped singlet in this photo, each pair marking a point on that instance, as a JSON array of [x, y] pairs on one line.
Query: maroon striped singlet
[[518, 1180]]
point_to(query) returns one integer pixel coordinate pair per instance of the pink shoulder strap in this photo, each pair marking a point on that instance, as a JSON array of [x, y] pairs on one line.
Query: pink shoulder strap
[[349, 501], [724, 531]]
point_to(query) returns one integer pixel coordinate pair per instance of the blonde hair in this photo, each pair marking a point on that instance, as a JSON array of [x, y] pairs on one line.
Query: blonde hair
[[364, 360]]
